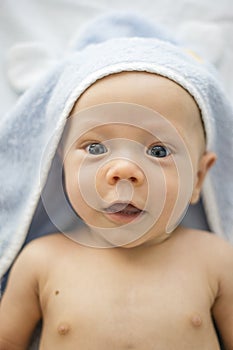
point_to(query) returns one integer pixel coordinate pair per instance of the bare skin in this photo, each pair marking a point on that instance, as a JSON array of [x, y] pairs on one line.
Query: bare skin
[[161, 291], [139, 298]]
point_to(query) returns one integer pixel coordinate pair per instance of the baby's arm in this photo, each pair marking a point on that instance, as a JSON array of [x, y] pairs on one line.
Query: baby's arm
[[223, 307], [20, 307]]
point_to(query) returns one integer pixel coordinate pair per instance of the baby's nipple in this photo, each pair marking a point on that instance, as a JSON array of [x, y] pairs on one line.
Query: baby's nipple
[[63, 328], [196, 321]]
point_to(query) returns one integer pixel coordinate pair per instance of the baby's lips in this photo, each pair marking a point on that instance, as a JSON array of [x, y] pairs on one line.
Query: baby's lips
[[123, 206]]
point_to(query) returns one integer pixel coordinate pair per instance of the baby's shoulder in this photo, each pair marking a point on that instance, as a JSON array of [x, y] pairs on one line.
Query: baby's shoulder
[[45, 239], [33, 260], [44, 247], [207, 244]]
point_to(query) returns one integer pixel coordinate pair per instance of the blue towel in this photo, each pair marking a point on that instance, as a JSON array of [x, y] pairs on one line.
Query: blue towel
[[36, 122]]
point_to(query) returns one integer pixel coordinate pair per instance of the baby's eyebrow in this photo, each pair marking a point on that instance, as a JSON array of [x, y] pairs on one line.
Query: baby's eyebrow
[[156, 128], [145, 138], [92, 135]]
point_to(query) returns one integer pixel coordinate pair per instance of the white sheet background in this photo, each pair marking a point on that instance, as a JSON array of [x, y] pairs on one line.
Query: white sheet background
[[206, 26]]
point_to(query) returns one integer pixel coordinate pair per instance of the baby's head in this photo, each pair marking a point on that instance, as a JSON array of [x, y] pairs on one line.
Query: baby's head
[[138, 96], [134, 157]]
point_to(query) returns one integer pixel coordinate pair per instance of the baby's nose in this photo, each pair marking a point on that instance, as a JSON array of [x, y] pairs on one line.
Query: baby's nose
[[122, 169]]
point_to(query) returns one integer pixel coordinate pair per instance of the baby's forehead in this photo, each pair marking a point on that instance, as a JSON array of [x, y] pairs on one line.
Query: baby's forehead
[[119, 117], [147, 89], [124, 85], [150, 90]]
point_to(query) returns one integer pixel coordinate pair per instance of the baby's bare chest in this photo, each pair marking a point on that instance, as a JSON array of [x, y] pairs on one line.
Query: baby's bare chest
[[134, 305]]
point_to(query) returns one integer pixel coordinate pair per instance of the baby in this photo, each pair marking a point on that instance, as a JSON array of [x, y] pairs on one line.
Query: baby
[[134, 157]]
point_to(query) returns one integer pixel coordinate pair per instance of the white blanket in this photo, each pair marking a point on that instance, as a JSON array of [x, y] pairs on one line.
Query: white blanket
[[206, 25]]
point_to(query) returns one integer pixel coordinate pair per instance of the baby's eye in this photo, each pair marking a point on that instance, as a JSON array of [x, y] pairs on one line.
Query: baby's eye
[[158, 151], [96, 148]]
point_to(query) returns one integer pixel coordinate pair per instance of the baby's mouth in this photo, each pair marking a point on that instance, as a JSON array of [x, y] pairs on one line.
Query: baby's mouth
[[123, 211]]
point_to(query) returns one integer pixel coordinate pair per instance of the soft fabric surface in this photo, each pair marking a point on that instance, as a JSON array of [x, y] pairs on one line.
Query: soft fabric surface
[[30, 133]]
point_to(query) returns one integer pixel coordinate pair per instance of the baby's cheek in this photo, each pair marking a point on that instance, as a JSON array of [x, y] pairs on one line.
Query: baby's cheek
[[179, 190], [172, 181], [71, 181]]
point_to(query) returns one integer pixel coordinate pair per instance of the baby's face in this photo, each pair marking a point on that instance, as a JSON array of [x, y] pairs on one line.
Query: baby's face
[[132, 153]]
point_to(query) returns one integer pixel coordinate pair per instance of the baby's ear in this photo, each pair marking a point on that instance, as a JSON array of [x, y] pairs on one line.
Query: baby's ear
[[206, 162]]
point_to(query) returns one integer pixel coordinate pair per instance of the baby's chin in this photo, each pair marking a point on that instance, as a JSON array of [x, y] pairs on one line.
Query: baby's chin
[[126, 238]]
